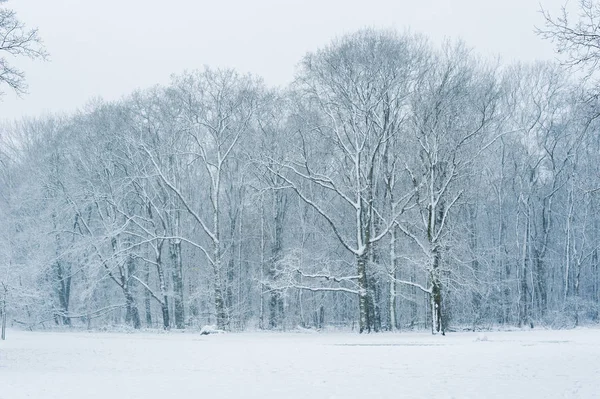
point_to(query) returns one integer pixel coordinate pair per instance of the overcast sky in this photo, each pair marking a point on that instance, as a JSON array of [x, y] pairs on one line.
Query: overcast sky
[[109, 48]]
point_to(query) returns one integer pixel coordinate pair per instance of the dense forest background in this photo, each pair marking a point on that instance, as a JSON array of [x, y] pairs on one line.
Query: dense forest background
[[396, 184]]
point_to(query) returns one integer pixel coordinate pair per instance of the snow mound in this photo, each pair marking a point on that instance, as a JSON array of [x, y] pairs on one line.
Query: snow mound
[[481, 337], [303, 330], [212, 329]]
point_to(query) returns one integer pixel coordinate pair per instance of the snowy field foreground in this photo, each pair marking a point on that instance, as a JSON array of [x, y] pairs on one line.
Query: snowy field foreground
[[527, 364]]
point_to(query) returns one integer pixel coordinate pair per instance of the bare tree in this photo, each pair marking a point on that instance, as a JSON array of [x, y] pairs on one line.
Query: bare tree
[[453, 112], [219, 106], [352, 97], [579, 39], [16, 40]]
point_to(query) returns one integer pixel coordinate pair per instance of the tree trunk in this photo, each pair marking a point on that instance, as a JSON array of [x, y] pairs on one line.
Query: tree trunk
[[596, 285], [3, 314], [577, 283], [541, 283], [374, 308], [63, 288], [231, 266], [132, 315], [392, 276], [177, 275], [261, 317], [475, 295], [165, 314], [275, 302], [220, 306], [568, 250], [540, 256], [229, 281], [363, 294], [148, 298], [62, 281], [523, 304], [435, 221], [276, 299], [163, 289], [393, 325], [437, 324], [321, 315]]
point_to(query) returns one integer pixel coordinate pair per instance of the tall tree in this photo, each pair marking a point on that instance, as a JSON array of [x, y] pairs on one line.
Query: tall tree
[[453, 110], [218, 107], [351, 98]]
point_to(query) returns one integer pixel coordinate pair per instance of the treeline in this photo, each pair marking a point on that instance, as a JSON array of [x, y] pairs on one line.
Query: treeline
[[394, 185]]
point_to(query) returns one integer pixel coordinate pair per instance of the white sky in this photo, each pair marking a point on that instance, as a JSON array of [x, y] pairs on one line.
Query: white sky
[[108, 48]]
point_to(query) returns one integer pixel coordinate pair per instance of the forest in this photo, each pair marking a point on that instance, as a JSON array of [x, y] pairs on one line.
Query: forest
[[396, 184]]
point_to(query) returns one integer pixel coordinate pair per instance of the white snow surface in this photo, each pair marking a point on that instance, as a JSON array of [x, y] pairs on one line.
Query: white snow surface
[[521, 364]]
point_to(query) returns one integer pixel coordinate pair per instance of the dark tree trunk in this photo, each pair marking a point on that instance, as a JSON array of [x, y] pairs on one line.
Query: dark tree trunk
[[414, 308], [321, 316], [476, 295], [524, 312], [539, 258], [377, 306], [436, 296], [147, 298], [3, 313], [231, 265], [275, 308], [374, 289], [374, 298], [164, 303], [276, 298], [364, 324], [177, 275], [63, 287], [125, 272], [220, 307], [596, 285], [577, 299], [62, 281], [542, 295], [165, 314], [229, 281], [437, 319], [132, 315], [523, 296]]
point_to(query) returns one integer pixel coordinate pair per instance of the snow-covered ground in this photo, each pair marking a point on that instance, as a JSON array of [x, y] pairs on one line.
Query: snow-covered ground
[[524, 364]]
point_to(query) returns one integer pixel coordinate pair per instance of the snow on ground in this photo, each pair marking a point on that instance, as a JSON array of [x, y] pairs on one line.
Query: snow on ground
[[524, 364]]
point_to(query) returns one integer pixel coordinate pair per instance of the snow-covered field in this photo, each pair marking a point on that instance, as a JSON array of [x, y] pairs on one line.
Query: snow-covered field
[[524, 364]]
